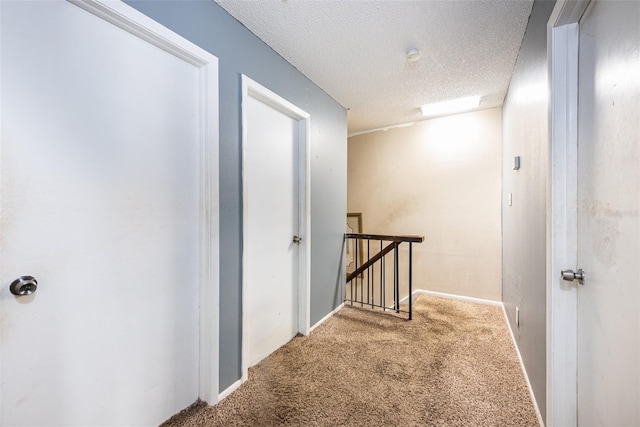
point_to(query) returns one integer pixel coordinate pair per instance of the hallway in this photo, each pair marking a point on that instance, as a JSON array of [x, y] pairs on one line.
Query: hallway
[[124, 147]]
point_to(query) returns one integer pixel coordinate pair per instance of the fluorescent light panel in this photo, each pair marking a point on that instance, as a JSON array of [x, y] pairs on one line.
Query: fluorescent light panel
[[449, 107]]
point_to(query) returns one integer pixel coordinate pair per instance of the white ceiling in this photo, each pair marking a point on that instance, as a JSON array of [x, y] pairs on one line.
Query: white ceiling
[[355, 50]]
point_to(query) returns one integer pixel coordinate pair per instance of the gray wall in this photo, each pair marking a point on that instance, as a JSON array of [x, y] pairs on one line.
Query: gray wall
[[525, 133], [240, 52]]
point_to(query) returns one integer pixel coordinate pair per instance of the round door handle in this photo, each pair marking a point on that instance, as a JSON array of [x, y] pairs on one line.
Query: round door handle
[[24, 285], [570, 276]]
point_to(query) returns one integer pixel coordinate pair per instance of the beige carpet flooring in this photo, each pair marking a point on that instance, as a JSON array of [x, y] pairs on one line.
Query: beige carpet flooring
[[453, 365]]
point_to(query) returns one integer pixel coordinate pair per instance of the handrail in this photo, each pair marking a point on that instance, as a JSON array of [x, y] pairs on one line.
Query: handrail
[[389, 238]]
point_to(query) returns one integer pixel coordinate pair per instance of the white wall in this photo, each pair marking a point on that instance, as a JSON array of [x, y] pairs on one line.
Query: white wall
[[439, 178]]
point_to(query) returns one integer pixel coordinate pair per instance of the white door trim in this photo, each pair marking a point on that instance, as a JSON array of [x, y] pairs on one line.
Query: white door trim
[[254, 90], [562, 225], [140, 25]]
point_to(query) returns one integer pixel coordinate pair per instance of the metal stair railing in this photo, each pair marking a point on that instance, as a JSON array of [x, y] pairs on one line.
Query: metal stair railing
[[370, 275]]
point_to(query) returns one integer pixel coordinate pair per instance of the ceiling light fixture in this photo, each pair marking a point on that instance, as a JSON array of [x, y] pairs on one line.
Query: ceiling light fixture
[[413, 54], [450, 107]]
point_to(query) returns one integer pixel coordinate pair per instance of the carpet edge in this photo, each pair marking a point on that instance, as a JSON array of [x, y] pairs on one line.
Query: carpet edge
[[523, 368]]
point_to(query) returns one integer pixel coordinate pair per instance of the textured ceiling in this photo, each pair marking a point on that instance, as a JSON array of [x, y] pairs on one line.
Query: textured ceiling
[[355, 50]]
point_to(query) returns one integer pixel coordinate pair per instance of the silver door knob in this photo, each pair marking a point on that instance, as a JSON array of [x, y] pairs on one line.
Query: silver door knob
[[24, 285], [570, 276], [297, 240]]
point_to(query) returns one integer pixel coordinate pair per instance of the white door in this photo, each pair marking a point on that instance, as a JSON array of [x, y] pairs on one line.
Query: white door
[[608, 215], [100, 178], [272, 182]]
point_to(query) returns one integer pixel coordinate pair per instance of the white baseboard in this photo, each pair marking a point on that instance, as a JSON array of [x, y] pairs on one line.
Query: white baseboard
[[321, 321], [233, 387], [452, 296], [524, 370]]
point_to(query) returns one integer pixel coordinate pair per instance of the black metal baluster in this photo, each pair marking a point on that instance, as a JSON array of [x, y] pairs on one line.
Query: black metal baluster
[[355, 267], [383, 276], [361, 285], [396, 279], [354, 283], [368, 269], [382, 260], [410, 280], [351, 283]]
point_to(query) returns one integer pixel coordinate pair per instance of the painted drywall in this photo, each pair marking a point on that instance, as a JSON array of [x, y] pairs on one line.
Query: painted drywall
[[526, 134], [438, 178], [240, 52], [609, 215]]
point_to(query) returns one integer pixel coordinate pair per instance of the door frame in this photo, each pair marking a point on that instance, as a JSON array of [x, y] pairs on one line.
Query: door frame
[[563, 36], [140, 25], [252, 89]]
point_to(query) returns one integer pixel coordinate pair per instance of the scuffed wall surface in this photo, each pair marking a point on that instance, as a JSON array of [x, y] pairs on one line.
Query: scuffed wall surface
[[439, 178]]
